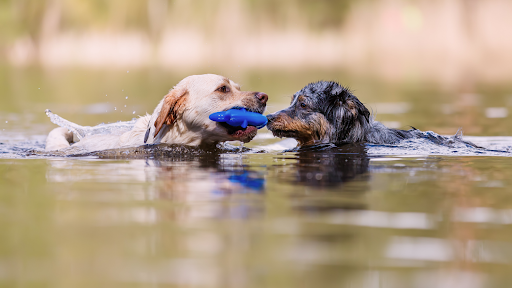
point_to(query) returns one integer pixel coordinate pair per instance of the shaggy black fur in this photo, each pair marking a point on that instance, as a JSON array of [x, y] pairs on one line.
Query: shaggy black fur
[[326, 112]]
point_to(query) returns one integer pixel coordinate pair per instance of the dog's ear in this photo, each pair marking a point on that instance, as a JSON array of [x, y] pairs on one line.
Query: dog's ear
[[172, 107]]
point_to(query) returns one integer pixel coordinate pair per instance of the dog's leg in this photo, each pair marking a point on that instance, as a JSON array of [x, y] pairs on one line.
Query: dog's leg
[[78, 130], [58, 138]]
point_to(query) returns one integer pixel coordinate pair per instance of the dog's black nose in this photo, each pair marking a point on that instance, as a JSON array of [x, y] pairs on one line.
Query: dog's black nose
[[262, 97], [271, 117]]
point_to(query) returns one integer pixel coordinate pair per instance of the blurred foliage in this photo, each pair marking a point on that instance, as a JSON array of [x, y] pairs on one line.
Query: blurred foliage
[[30, 17], [318, 14]]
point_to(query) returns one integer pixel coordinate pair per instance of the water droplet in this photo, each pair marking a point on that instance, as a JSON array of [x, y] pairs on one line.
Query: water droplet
[[106, 95], [39, 88], [126, 97], [6, 121], [115, 108], [122, 90], [127, 71], [133, 112], [124, 105]]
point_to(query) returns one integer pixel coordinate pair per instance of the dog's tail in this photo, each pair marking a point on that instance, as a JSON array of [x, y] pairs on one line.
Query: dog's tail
[[78, 130]]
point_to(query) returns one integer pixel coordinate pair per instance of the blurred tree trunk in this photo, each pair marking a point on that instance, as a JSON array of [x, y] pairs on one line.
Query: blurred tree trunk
[[157, 16]]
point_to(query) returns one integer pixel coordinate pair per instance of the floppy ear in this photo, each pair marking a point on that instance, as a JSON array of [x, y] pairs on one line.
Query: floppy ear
[[172, 107]]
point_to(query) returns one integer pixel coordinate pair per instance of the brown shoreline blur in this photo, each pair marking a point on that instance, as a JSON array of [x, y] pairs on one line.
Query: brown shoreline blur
[[450, 42]]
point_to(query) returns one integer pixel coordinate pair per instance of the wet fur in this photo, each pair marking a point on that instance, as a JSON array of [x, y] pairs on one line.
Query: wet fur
[[326, 112], [181, 117]]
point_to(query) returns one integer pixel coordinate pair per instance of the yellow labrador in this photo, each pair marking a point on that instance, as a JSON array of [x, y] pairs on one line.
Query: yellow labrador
[[180, 118]]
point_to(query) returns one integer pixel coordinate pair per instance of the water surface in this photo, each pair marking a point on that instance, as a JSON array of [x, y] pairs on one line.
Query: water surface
[[409, 215]]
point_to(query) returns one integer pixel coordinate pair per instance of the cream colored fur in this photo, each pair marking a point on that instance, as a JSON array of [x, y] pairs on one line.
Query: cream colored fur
[[191, 126]]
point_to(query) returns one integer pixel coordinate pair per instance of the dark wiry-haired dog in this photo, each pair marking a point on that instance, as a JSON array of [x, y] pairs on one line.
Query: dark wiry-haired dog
[[326, 112]]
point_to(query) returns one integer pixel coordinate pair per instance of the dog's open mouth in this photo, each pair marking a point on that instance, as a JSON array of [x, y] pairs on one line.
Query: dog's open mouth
[[238, 131]]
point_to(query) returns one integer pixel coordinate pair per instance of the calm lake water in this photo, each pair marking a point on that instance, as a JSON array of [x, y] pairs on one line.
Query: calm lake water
[[411, 215]]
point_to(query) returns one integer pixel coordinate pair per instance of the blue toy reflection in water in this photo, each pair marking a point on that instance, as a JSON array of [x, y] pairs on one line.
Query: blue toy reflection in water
[[245, 182]]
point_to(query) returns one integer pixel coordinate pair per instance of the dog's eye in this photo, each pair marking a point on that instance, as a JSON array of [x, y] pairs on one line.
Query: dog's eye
[[224, 89], [303, 105]]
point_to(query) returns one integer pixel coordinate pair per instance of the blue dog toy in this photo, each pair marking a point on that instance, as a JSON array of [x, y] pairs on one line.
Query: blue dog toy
[[240, 117]]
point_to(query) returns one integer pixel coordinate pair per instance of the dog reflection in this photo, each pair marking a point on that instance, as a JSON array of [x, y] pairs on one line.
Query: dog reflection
[[331, 166], [325, 173], [208, 189]]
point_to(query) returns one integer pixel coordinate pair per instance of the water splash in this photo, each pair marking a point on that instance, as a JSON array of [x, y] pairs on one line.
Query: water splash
[[430, 143], [427, 143], [81, 132]]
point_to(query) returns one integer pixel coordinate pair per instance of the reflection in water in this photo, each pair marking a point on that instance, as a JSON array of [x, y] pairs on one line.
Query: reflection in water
[[208, 181], [184, 175], [321, 218], [331, 166], [335, 178], [248, 180], [330, 217]]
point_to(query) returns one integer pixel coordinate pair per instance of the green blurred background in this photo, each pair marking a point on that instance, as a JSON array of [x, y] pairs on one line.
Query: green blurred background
[[412, 221], [445, 64]]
